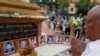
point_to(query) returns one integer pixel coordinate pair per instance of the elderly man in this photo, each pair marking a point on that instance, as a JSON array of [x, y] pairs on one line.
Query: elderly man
[[92, 29]]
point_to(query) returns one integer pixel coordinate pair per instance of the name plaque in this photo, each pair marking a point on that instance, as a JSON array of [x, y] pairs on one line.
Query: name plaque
[[11, 31]]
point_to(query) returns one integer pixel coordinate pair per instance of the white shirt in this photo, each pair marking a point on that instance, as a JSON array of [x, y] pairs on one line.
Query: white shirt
[[92, 49], [66, 23]]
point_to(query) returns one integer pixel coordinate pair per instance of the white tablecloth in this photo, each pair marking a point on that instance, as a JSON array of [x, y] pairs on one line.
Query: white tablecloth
[[48, 50]]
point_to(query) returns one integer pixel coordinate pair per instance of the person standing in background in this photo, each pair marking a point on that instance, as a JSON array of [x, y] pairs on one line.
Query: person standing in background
[[58, 19], [81, 27], [77, 22], [67, 25]]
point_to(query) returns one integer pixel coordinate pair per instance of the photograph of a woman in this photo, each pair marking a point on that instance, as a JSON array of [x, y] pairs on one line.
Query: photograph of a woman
[[22, 43]]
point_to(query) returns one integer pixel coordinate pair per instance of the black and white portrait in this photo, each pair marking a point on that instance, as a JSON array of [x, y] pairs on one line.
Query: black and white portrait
[[58, 39], [33, 41], [50, 39], [42, 40]]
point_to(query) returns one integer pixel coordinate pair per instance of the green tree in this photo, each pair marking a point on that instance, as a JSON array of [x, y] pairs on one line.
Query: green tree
[[62, 4], [45, 1], [84, 6], [93, 4]]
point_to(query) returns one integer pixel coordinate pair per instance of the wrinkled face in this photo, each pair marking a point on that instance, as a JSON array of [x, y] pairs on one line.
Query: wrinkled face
[[92, 27]]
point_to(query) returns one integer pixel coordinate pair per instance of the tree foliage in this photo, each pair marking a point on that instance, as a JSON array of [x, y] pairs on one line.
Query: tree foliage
[[62, 4], [84, 5]]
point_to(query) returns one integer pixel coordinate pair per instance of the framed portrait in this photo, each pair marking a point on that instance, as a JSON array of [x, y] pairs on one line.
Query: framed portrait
[[66, 40], [8, 47], [50, 39], [58, 39], [42, 40], [22, 43], [33, 42]]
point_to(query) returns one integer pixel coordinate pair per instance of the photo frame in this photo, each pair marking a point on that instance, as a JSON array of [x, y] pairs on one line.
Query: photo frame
[[50, 39], [8, 47], [33, 41], [42, 40], [1, 52], [58, 39], [23, 43], [66, 40]]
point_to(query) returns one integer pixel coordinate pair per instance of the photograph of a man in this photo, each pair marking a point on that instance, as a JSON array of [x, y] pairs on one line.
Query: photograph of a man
[[58, 39], [8, 47], [42, 40], [66, 40], [50, 39]]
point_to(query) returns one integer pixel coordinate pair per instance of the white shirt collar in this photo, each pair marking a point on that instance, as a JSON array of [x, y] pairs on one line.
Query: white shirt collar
[[94, 44], [92, 49]]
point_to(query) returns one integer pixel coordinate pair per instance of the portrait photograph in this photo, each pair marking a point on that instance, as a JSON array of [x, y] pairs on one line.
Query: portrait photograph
[[42, 40], [33, 41], [66, 40], [22, 43], [50, 39], [8, 47], [58, 39]]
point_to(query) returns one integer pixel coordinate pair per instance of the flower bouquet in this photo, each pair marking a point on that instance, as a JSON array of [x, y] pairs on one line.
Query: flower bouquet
[[29, 51]]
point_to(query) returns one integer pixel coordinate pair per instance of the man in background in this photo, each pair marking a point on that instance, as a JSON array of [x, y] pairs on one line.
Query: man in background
[[76, 21]]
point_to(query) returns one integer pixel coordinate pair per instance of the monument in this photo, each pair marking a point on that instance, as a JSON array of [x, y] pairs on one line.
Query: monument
[[19, 22]]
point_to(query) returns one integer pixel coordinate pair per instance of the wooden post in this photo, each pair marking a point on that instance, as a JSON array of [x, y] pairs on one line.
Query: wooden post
[[1, 49], [57, 29], [48, 23], [72, 31]]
